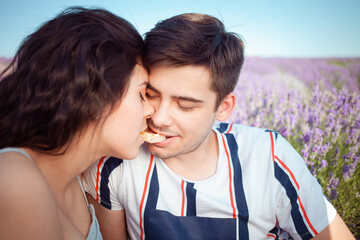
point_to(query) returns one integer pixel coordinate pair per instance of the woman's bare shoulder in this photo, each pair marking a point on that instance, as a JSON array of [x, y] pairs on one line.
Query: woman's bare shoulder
[[26, 199], [17, 169]]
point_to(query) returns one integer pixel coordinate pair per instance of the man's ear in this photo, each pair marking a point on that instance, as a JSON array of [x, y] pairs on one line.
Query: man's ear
[[226, 107]]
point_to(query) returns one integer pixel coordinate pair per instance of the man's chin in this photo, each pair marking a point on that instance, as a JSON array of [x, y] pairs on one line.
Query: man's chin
[[158, 152]]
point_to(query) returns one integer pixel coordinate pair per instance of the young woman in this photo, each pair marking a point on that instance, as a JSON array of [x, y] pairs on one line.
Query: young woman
[[74, 92]]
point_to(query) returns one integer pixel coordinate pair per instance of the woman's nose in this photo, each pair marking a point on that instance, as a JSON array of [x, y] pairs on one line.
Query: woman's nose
[[148, 109]]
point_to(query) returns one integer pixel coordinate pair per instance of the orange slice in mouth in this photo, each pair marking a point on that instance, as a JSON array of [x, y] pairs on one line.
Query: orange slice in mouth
[[152, 137]]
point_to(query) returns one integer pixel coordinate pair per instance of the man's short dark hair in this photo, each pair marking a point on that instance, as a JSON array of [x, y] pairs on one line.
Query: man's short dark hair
[[201, 40]]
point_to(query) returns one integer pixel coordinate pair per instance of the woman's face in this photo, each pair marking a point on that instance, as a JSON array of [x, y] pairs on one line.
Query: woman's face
[[120, 134]]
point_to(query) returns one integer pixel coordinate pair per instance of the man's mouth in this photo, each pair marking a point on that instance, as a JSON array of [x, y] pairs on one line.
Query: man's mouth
[[168, 137], [151, 137]]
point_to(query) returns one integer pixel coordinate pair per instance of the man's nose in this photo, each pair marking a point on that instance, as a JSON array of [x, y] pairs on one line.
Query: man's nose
[[162, 115]]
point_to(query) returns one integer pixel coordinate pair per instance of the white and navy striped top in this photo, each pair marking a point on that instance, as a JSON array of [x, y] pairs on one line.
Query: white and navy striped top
[[260, 182]]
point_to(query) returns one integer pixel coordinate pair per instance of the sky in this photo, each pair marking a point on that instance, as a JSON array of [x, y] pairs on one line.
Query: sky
[[270, 28]]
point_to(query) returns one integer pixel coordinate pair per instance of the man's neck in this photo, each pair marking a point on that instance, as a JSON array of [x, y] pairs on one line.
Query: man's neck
[[199, 164]]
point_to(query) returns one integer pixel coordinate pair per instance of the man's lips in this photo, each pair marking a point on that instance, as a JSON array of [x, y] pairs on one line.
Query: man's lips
[[159, 132], [170, 137]]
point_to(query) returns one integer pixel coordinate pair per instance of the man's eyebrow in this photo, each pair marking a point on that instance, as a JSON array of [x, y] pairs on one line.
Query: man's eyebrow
[[188, 99], [182, 98]]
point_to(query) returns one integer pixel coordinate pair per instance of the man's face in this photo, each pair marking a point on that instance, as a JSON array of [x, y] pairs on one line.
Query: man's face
[[184, 108]]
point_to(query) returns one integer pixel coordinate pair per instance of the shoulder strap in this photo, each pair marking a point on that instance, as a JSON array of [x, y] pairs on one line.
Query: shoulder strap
[[82, 189], [19, 150]]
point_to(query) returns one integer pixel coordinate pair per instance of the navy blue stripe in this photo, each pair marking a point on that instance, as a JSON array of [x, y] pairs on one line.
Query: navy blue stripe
[[299, 223], [153, 191], [223, 127], [239, 188], [109, 165], [191, 199], [276, 133], [152, 199], [162, 225]]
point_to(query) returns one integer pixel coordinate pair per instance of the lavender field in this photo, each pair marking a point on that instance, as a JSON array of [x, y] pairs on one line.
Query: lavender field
[[315, 105]]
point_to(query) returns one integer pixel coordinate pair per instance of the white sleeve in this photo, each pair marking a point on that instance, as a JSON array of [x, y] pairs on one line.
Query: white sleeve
[[303, 209], [102, 180]]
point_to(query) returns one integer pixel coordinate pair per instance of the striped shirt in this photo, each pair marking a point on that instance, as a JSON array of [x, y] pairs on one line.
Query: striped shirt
[[260, 182]]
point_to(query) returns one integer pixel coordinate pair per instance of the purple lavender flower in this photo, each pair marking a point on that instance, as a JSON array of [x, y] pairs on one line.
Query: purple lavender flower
[[323, 164], [346, 171]]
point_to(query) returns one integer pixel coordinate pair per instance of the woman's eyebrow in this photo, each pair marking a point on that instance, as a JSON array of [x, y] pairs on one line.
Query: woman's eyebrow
[[152, 88], [144, 83]]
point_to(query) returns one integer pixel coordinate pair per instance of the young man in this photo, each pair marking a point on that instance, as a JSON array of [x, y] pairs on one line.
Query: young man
[[207, 179]]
